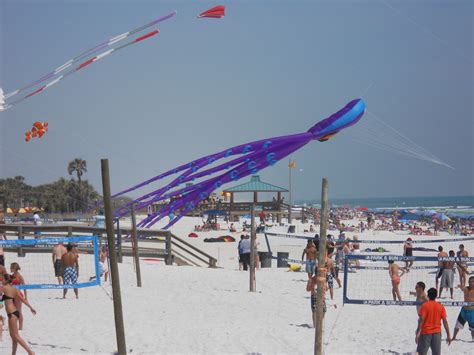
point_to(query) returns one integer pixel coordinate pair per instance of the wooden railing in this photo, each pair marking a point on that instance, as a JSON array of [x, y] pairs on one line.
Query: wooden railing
[[187, 251]]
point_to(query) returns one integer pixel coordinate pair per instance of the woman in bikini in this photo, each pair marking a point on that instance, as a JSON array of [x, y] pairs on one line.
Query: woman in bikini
[[395, 273], [10, 293], [17, 279]]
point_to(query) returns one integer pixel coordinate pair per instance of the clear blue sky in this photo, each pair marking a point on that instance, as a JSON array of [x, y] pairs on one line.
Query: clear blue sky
[[268, 68]]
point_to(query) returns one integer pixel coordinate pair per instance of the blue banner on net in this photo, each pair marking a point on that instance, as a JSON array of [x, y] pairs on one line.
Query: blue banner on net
[[93, 240]]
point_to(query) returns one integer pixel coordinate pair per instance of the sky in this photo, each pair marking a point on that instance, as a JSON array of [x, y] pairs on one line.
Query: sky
[[269, 68]]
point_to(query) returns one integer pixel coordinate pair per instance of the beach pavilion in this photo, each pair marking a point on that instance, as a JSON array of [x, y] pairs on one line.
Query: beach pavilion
[[255, 185]]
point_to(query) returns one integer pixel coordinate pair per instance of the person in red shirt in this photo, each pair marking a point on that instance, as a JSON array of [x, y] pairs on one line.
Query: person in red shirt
[[428, 333]]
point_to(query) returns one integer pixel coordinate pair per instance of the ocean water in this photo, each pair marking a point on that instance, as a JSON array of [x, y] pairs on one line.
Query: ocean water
[[464, 203]]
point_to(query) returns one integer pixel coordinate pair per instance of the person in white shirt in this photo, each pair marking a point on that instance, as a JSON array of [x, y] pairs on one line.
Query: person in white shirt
[[37, 222]]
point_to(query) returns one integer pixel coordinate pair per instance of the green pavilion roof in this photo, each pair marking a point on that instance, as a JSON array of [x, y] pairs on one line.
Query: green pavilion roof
[[256, 185]]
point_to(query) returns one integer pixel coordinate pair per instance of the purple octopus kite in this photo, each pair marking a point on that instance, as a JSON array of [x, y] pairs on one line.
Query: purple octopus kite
[[251, 158]]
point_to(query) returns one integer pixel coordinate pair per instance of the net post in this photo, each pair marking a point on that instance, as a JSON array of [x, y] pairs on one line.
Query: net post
[[169, 256], [135, 247], [119, 242], [321, 274], [96, 258], [21, 236], [117, 298], [252, 249], [344, 289]]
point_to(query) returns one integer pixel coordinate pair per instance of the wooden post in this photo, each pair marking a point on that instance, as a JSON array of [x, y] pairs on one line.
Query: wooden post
[[321, 275], [69, 231], [21, 252], [135, 248], [119, 242], [169, 256], [252, 250], [117, 297]]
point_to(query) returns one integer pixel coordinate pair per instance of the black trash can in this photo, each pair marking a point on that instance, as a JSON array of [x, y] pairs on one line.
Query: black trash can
[[291, 228], [265, 259], [280, 257]]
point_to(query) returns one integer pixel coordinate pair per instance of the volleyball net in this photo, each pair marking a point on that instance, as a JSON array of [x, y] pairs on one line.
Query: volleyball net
[[367, 280], [37, 267]]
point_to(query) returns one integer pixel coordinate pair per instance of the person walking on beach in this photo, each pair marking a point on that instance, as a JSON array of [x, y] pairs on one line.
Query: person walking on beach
[[441, 254], [58, 251], [10, 293], [245, 245], [395, 273], [408, 251], [467, 312], [428, 333], [239, 248], [310, 252], [420, 295], [70, 262], [462, 265]]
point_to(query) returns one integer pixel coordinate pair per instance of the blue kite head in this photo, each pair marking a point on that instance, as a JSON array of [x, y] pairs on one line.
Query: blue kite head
[[346, 117]]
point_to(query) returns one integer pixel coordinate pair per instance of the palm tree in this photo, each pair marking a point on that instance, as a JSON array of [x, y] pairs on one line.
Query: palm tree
[[79, 166]]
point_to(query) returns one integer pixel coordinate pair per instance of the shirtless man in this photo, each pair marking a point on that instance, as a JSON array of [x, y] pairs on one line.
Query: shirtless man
[[330, 276], [420, 295], [310, 252], [70, 262], [467, 312], [462, 265], [447, 278], [395, 273], [58, 251], [311, 287], [441, 254]]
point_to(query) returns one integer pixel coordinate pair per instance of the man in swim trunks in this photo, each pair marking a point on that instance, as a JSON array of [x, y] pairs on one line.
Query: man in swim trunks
[[441, 254], [58, 251], [311, 286], [310, 252], [467, 312], [447, 278], [70, 262]]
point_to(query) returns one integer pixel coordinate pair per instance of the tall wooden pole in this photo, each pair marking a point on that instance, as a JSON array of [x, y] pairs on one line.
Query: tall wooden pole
[[135, 248], [290, 210], [109, 223], [321, 275], [253, 285]]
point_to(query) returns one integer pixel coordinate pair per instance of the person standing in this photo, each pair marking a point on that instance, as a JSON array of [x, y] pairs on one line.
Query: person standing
[[310, 252], [10, 293], [428, 333], [395, 273], [245, 245], [2, 254], [37, 222], [441, 254], [408, 251], [70, 262], [447, 277], [462, 265], [239, 248], [467, 312], [420, 295], [58, 251]]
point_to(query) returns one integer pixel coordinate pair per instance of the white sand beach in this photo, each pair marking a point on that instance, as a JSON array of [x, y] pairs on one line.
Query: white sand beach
[[188, 309]]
